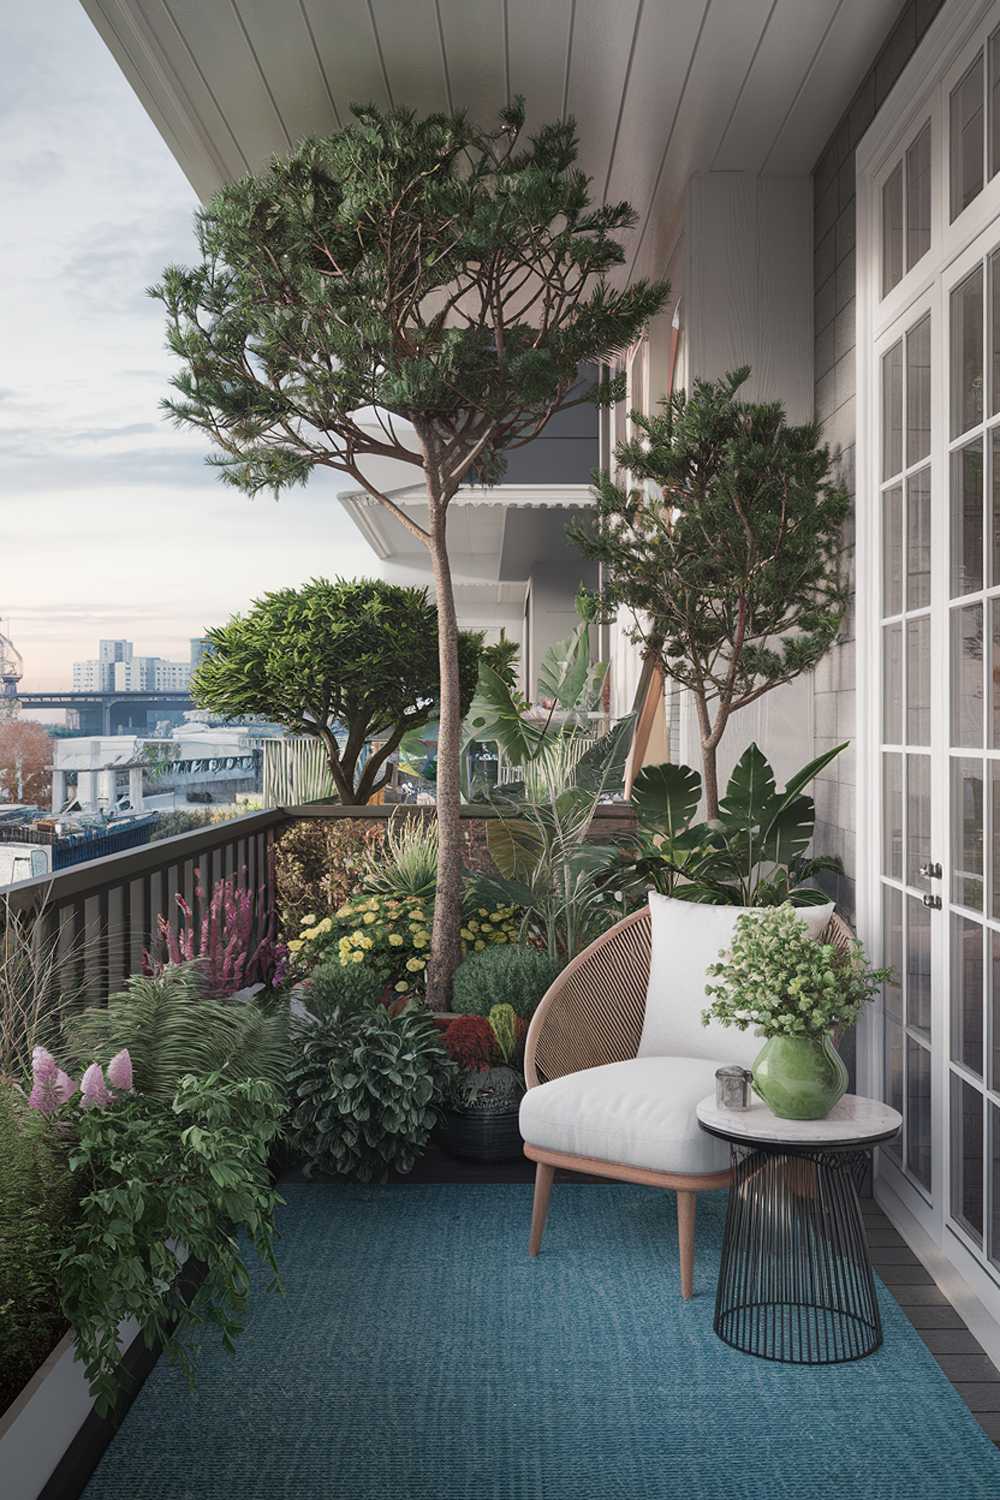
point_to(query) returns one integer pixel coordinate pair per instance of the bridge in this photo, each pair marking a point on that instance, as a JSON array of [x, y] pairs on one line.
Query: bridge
[[109, 713]]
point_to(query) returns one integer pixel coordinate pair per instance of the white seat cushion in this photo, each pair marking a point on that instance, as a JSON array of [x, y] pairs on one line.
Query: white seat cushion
[[639, 1113]]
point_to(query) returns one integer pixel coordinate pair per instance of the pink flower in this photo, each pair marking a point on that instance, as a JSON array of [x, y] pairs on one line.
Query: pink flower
[[93, 1089], [43, 1064], [51, 1091], [120, 1071]]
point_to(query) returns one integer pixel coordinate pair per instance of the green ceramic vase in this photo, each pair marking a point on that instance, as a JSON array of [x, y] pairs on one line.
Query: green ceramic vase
[[799, 1077]]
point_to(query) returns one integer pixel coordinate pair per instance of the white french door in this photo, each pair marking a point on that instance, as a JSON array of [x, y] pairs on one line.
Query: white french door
[[929, 629]]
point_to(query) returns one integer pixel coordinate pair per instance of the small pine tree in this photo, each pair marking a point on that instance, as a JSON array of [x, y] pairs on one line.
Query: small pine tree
[[725, 550], [416, 289]]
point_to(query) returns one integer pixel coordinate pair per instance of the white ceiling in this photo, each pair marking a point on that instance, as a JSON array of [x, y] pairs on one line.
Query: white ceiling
[[659, 88]]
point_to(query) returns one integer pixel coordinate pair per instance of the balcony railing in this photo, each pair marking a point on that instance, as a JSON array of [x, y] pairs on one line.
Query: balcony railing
[[103, 915]]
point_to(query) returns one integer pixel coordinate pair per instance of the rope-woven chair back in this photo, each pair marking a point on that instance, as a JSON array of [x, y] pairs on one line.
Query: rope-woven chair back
[[596, 1015]]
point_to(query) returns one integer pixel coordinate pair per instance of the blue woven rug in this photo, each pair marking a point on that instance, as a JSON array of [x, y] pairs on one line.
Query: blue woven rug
[[420, 1355]]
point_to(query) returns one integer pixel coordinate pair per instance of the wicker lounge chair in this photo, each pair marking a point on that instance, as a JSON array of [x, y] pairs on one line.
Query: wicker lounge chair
[[591, 1017]]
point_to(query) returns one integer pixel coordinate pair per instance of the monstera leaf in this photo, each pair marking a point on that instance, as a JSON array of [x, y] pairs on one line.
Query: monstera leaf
[[666, 798]]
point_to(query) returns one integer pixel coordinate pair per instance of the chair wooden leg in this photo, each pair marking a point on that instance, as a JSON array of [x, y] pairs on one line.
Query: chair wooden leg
[[687, 1203], [543, 1189]]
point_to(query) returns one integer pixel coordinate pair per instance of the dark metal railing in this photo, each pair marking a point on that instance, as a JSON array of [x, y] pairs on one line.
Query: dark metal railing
[[102, 916]]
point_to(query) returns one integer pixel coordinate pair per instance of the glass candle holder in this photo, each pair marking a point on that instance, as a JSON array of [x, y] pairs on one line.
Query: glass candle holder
[[732, 1087]]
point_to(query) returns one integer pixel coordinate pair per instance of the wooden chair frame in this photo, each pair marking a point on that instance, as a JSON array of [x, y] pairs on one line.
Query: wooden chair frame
[[592, 1015]]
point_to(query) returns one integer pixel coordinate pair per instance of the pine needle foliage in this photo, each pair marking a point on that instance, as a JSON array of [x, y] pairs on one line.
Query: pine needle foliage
[[724, 549], [170, 1030], [414, 288]]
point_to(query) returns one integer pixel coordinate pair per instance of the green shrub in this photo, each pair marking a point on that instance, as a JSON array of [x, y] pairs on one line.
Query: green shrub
[[512, 974], [405, 864], [36, 1206], [192, 1171], [366, 1091], [334, 986], [170, 1030]]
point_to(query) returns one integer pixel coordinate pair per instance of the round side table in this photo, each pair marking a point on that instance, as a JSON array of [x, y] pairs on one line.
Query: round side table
[[795, 1278]]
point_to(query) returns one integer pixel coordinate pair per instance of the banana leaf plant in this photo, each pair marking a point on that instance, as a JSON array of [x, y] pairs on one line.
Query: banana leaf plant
[[753, 854], [540, 843]]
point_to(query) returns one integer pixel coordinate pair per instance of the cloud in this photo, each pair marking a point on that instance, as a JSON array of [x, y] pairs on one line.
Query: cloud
[[105, 434]]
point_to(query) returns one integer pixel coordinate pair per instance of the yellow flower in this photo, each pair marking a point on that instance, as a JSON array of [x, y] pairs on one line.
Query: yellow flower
[[366, 942], [370, 917], [420, 940], [401, 988], [395, 940], [480, 945], [415, 964], [309, 921], [311, 933], [466, 934], [473, 926], [326, 925], [295, 945], [357, 958], [483, 912]]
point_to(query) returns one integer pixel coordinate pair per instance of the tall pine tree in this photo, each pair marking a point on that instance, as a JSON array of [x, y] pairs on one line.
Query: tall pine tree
[[420, 289]]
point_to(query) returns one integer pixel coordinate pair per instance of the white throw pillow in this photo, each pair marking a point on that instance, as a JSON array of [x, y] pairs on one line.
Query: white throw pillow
[[686, 938]]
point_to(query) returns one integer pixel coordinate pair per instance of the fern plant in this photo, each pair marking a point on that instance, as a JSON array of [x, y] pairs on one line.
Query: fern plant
[[171, 1029]]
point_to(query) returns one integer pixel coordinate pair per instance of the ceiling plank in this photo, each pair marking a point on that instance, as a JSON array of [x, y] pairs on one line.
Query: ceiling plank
[[538, 38], [787, 48], [407, 32], [345, 41], [474, 47], [602, 43], [280, 38]]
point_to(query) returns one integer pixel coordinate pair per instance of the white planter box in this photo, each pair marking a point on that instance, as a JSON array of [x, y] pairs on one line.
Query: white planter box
[[37, 1429]]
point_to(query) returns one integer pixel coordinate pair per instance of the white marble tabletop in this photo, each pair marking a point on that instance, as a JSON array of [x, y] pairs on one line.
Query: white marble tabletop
[[853, 1118]]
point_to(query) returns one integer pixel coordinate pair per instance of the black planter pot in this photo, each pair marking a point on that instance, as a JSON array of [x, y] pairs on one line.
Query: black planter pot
[[485, 1131]]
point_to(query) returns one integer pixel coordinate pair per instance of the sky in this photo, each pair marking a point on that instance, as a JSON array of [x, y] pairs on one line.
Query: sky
[[110, 523]]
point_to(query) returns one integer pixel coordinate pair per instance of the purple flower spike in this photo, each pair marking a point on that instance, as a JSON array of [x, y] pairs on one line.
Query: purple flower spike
[[51, 1091], [120, 1071], [43, 1065], [93, 1089]]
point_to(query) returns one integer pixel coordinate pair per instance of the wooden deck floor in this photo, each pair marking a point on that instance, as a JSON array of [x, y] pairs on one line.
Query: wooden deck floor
[[956, 1349]]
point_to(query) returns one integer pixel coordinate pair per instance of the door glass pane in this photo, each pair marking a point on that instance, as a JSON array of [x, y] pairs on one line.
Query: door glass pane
[[892, 684], [918, 391], [993, 674], [892, 814], [995, 841], [892, 1067], [918, 197], [966, 353], [994, 540], [994, 1115], [994, 103], [892, 952], [967, 832], [892, 411], [918, 681], [918, 965], [918, 540], [967, 519], [892, 551], [918, 1111], [967, 993], [993, 939], [918, 818], [966, 675], [967, 1156], [966, 141], [892, 229]]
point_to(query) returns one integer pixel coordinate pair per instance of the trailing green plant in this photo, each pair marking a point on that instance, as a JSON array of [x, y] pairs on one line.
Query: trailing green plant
[[724, 548], [345, 986], [37, 1203], [515, 974], [752, 854], [365, 1091], [777, 979], [405, 864], [171, 1029], [192, 1172]]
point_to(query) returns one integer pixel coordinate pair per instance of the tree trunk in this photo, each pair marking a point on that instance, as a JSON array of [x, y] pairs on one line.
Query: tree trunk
[[710, 777], [446, 947]]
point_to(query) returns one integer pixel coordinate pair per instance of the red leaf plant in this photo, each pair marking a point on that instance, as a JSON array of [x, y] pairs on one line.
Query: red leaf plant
[[223, 940], [470, 1042]]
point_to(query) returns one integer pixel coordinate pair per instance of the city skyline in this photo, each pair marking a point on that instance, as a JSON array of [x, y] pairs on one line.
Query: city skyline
[[112, 525]]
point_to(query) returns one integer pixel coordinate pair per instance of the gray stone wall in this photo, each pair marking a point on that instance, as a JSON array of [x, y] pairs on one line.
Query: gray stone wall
[[835, 252]]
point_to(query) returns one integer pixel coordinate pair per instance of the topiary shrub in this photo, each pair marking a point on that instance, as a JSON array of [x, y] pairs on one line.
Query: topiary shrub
[[351, 989], [366, 1090], [513, 974]]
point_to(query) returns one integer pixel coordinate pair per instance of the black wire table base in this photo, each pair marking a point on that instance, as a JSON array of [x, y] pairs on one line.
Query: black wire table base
[[795, 1280]]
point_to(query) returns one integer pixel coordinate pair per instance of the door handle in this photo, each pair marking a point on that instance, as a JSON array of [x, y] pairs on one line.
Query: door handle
[[934, 902], [931, 871]]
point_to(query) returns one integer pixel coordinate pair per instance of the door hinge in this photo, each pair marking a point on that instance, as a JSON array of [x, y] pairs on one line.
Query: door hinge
[[934, 902]]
